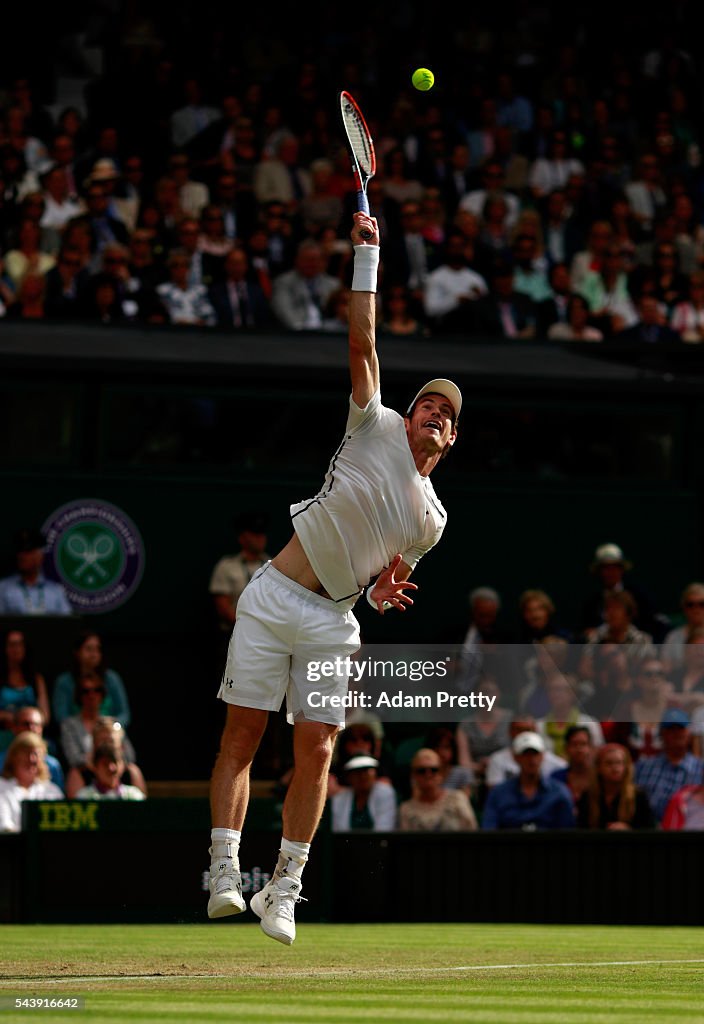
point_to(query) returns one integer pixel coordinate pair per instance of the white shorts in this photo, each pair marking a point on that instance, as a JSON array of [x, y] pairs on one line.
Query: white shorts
[[282, 634]]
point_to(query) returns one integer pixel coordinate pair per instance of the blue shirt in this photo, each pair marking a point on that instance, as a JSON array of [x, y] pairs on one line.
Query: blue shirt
[[507, 806], [41, 598], [661, 779]]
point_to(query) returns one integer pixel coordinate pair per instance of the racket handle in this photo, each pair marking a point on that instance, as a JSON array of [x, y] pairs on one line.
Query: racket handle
[[363, 207]]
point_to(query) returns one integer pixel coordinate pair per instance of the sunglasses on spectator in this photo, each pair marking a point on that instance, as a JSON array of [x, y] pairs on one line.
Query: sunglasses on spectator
[[694, 604], [92, 689], [427, 770], [653, 673]]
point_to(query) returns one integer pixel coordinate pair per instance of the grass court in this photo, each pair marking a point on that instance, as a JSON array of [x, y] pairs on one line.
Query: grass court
[[347, 974]]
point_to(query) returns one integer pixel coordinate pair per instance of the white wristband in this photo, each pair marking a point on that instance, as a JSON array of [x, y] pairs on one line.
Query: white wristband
[[366, 264], [372, 602]]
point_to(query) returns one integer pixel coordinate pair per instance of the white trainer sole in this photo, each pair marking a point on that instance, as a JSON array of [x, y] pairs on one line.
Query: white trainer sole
[[226, 905]]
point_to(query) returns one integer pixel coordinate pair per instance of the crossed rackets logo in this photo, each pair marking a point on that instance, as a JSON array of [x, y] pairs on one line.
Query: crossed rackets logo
[[90, 553]]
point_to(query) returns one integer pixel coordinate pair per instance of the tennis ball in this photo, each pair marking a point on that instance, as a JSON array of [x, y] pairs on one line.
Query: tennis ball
[[423, 79]]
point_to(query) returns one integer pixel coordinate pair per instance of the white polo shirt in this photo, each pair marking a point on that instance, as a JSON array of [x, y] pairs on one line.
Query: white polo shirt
[[373, 504]]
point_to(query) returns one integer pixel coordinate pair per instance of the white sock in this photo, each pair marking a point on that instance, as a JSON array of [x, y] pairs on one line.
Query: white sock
[[292, 858], [225, 842]]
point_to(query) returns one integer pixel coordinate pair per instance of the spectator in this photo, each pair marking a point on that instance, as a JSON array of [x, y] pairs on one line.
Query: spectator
[[554, 169], [76, 731], [564, 238], [453, 775], [431, 807], [688, 679], [184, 303], [492, 185], [687, 317], [193, 116], [28, 592], [577, 326], [529, 801], [671, 285], [108, 769], [106, 731], [636, 718], [620, 610], [322, 207], [646, 195], [365, 801], [232, 573], [504, 312], [502, 764], [236, 203], [613, 801], [579, 752], [485, 732], [103, 227], [662, 775], [25, 776], [564, 713], [20, 684], [89, 663], [613, 572], [538, 617], [607, 295], [282, 178], [397, 315], [553, 311], [30, 301], [410, 256], [30, 720], [59, 205], [27, 257], [204, 268], [482, 635], [592, 258], [529, 274], [299, 295], [685, 810], [65, 286], [452, 288], [397, 178], [193, 195], [550, 658], [239, 301], [692, 604]]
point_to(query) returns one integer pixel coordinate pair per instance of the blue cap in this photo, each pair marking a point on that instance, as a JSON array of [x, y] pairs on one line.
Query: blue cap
[[674, 716]]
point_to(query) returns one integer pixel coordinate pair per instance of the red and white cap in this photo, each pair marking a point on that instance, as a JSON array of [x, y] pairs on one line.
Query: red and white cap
[[443, 387]]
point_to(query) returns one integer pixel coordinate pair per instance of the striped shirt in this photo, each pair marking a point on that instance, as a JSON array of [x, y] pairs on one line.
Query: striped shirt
[[661, 779]]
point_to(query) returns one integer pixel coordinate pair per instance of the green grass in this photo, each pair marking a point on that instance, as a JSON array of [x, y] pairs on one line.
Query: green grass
[[338, 974]]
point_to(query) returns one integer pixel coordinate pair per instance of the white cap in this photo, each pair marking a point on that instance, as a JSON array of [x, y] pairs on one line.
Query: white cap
[[528, 741], [443, 387], [360, 761], [610, 554]]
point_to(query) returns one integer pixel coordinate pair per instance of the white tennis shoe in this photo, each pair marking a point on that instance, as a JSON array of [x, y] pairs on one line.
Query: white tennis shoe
[[274, 905], [225, 886]]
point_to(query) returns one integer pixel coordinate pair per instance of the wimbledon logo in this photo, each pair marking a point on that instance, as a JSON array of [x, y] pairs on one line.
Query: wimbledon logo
[[96, 552]]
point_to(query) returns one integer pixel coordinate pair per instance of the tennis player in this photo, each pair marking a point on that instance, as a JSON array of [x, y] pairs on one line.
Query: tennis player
[[375, 516]]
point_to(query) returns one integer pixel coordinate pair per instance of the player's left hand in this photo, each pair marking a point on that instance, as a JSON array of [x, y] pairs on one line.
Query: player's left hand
[[388, 588]]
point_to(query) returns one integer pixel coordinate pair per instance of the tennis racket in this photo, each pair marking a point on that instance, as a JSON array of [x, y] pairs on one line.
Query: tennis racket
[[362, 150]]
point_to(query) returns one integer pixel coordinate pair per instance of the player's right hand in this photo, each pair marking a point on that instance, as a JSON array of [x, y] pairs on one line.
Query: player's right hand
[[388, 589], [363, 221]]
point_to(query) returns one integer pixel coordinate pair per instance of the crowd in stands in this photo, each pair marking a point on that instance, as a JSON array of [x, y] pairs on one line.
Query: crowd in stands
[[552, 192], [596, 724], [599, 726]]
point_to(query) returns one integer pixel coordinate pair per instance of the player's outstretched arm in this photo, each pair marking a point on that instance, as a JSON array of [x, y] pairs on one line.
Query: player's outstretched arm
[[364, 364], [388, 591]]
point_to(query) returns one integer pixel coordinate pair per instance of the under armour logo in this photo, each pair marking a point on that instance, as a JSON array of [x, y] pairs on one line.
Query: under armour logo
[[268, 899]]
